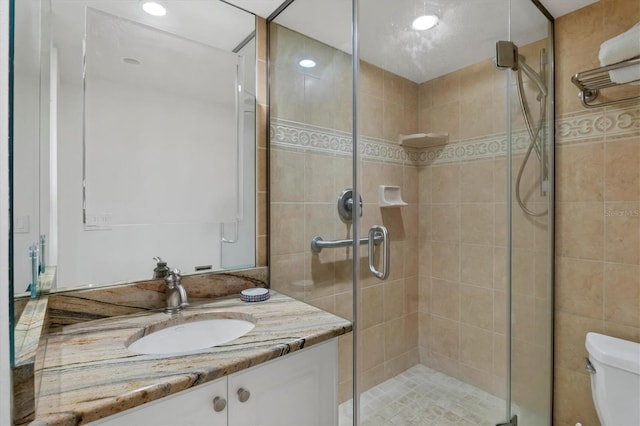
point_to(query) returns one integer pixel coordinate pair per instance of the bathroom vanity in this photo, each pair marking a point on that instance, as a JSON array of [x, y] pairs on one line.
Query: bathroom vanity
[[298, 389], [283, 371]]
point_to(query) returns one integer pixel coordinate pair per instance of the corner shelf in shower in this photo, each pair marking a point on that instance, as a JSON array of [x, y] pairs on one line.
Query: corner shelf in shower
[[592, 81], [423, 140]]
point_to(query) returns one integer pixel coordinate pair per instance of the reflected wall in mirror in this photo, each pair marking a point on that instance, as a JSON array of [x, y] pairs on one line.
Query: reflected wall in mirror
[[150, 152]]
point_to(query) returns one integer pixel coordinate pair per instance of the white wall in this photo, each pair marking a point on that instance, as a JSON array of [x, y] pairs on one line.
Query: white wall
[[26, 138], [6, 398]]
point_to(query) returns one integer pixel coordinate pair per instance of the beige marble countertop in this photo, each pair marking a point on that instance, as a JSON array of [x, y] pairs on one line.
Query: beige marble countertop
[[88, 373]]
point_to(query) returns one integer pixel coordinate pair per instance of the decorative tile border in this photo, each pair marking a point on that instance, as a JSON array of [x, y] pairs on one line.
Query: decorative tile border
[[294, 135], [611, 123], [595, 125]]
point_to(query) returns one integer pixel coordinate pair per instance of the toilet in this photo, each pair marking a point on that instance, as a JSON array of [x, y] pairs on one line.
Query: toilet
[[614, 365]]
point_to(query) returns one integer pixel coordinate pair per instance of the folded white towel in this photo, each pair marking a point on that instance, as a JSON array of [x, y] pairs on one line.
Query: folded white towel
[[625, 74], [621, 47]]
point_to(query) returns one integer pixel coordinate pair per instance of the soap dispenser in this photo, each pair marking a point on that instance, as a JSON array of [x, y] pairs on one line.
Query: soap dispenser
[[161, 270]]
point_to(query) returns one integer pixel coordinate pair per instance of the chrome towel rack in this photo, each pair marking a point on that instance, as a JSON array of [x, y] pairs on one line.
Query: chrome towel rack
[[592, 81]]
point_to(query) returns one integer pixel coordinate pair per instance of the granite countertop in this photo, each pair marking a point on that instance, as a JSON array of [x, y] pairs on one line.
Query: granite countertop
[[88, 373]]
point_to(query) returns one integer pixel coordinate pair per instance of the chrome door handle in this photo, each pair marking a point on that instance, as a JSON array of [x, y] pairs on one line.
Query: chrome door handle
[[377, 230]]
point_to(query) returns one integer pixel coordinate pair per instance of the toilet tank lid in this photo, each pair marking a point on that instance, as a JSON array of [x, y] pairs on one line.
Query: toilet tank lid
[[616, 352]]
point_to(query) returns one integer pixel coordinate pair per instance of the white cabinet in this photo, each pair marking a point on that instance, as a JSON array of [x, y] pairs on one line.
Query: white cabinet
[[299, 389], [192, 407]]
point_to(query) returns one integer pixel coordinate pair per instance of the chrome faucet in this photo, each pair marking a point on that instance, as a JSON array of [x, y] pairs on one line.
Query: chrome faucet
[[176, 294]]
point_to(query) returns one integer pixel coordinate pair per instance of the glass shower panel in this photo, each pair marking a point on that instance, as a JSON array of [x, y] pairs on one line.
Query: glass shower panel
[[531, 97], [311, 162], [431, 115]]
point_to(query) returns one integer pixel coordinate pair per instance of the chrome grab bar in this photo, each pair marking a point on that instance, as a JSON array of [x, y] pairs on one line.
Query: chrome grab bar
[[317, 243], [376, 230]]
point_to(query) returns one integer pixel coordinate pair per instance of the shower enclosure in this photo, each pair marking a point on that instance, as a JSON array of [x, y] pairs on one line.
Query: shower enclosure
[[439, 143]]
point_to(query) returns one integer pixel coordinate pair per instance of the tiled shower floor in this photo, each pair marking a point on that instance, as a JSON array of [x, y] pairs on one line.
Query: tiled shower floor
[[425, 397]]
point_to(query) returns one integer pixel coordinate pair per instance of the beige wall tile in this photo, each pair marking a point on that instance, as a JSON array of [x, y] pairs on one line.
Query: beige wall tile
[[411, 256], [476, 306], [445, 222], [371, 79], [476, 223], [476, 118], [476, 347], [393, 296], [445, 119], [580, 175], [476, 181], [445, 258], [499, 312], [287, 274], [573, 401], [622, 294], [287, 228], [393, 338], [371, 340], [319, 182], [444, 337], [445, 183], [446, 89], [393, 88], [476, 265], [523, 271], [580, 230], [411, 294], [622, 232], [621, 171], [287, 176], [570, 335], [372, 305], [579, 287], [445, 299], [393, 122]]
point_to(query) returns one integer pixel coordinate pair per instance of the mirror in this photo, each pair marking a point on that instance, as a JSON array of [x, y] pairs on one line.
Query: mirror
[[133, 137]]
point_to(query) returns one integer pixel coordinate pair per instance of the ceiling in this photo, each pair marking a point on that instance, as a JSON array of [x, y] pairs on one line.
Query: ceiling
[[466, 34], [264, 8]]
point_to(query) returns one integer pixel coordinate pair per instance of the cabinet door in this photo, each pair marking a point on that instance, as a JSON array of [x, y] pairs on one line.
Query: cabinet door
[[298, 390], [188, 408]]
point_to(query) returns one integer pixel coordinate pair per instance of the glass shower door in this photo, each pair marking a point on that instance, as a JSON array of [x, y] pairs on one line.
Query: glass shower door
[[531, 200], [432, 129], [311, 164]]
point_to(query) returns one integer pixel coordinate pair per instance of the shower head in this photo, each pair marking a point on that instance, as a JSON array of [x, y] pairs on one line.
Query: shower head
[[532, 74]]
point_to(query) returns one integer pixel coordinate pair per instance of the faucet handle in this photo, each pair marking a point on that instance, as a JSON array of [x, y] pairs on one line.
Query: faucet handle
[[176, 273]]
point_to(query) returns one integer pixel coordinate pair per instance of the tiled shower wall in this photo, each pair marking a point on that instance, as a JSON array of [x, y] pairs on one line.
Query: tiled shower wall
[[310, 165], [463, 239], [598, 200]]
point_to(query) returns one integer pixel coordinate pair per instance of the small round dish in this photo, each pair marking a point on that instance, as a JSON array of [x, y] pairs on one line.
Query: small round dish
[[254, 295]]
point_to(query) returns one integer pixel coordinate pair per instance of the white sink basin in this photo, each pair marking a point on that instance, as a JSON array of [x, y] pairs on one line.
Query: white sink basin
[[191, 336]]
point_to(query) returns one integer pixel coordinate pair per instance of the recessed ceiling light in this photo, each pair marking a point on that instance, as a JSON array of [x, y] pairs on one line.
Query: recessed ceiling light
[[153, 8], [131, 61], [307, 63], [425, 22]]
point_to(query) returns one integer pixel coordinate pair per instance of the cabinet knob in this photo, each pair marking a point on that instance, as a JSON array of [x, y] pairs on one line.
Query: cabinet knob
[[219, 404], [243, 395]]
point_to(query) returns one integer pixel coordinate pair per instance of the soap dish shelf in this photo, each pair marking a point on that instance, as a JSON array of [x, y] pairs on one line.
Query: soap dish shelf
[[423, 140], [390, 196]]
